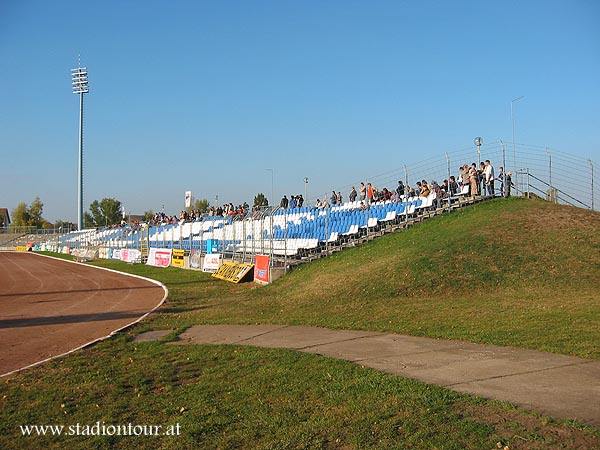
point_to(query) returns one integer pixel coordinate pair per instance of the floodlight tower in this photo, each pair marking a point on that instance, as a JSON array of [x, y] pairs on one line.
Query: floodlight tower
[[79, 78]]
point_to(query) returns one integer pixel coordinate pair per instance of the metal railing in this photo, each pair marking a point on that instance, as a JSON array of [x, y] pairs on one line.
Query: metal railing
[[573, 175]]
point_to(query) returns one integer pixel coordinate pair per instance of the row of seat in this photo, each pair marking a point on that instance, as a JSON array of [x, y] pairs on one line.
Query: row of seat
[[297, 228]]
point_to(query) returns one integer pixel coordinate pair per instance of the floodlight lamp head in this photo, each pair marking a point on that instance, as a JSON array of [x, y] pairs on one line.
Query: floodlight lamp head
[[79, 78], [478, 141]]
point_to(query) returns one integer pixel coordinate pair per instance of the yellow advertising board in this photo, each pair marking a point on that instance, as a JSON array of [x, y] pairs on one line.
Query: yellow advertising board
[[22, 248], [177, 258], [233, 271]]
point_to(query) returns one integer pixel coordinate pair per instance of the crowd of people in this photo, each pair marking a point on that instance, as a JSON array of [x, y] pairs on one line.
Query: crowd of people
[[476, 181], [295, 201], [472, 180]]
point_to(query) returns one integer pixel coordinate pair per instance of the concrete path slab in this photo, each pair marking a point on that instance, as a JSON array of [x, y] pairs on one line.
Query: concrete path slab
[[567, 392], [224, 334], [297, 337], [150, 336], [558, 385]]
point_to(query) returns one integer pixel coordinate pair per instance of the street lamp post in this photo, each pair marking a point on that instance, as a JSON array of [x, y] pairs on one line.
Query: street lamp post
[[272, 185], [305, 189], [512, 118], [79, 77], [478, 141]]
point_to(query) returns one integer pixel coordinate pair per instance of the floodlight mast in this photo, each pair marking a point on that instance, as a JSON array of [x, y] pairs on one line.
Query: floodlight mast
[[79, 77]]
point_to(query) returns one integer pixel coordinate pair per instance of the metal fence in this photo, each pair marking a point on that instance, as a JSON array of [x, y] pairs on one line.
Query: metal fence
[[570, 175]]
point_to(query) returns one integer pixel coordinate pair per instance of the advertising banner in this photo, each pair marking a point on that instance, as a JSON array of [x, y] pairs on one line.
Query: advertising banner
[[262, 274], [177, 260], [195, 259], [212, 245], [233, 271], [131, 255], [211, 263], [116, 253], [159, 257]]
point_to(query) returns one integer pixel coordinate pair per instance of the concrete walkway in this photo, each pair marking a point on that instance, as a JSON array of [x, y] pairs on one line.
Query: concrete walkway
[[560, 386]]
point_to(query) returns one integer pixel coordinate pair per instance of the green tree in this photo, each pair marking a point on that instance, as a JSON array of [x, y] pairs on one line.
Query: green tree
[[149, 215], [106, 212], [20, 215], [261, 200], [88, 220], [199, 205], [35, 213]]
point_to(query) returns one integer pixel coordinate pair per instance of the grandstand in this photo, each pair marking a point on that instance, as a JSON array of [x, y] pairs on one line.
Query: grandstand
[[289, 236]]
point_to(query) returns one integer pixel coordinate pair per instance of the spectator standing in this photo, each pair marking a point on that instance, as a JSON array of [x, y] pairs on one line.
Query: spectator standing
[[370, 193], [300, 201], [292, 201], [333, 198], [473, 179], [481, 179], [400, 188], [338, 198], [452, 186], [425, 190], [489, 177], [284, 202], [500, 178], [363, 191], [353, 194], [445, 187]]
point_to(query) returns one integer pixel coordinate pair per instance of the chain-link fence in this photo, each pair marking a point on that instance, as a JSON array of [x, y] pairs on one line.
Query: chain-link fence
[[570, 176]]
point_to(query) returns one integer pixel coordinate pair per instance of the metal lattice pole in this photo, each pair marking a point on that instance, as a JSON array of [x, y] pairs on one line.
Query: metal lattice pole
[[406, 192], [79, 79], [449, 192], [592, 181]]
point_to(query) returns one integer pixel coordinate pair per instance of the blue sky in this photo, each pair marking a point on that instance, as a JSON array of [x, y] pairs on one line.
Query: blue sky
[[204, 96]]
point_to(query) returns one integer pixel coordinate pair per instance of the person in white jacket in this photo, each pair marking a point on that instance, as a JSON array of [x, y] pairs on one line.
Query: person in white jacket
[[488, 173]]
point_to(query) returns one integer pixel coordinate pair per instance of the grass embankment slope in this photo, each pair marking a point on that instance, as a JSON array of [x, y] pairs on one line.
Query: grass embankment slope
[[509, 272]]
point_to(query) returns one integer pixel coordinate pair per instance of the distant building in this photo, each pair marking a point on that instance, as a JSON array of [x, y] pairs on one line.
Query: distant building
[[4, 218]]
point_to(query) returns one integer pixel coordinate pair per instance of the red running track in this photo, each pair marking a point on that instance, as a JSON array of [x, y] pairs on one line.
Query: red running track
[[49, 307]]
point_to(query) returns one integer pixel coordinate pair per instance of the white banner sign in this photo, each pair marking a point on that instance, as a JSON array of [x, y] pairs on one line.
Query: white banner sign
[[131, 255], [212, 262], [195, 259], [159, 257]]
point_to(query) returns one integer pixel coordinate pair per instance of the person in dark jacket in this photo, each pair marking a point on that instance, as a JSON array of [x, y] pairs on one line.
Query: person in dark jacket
[[284, 202]]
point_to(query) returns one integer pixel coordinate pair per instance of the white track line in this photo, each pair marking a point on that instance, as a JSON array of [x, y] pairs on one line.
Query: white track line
[[87, 344]]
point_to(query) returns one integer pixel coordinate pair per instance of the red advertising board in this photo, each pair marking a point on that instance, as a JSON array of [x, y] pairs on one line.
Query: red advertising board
[[159, 257], [262, 274]]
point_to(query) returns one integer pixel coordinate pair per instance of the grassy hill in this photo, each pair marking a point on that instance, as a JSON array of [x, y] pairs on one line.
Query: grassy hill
[[509, 272]]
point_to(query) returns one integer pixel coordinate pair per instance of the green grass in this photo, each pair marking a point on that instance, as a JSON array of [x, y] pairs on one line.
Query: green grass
[[506, 272], [243, 397], [521, 273]]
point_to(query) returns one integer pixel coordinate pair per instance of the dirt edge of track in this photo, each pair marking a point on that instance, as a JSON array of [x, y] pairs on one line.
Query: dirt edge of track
[[103, 338]]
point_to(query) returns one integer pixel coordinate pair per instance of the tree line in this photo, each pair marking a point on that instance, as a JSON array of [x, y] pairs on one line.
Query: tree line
[[101, 213]]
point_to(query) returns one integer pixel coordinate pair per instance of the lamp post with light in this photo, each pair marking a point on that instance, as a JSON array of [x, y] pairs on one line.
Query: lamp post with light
[[79, 77]]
